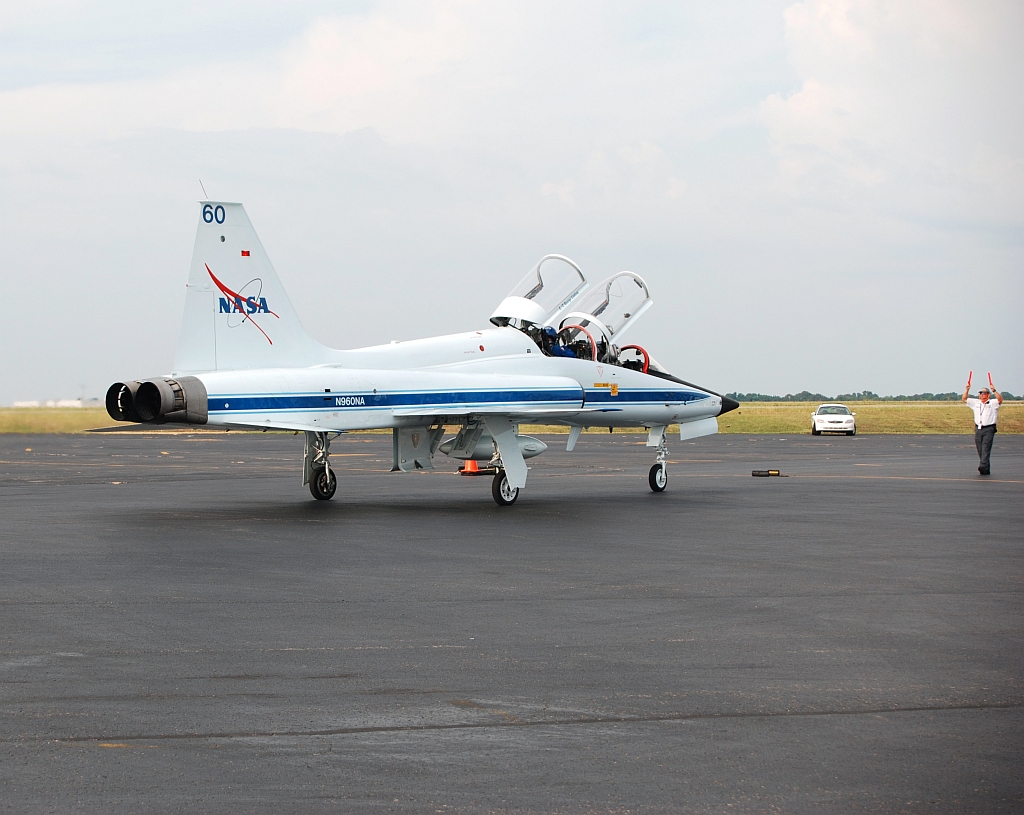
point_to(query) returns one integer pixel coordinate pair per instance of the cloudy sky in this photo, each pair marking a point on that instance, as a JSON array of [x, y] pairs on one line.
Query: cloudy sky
[[821, 195]]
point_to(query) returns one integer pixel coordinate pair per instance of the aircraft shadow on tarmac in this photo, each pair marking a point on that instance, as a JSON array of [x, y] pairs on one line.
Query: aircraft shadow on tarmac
[[565, 508]]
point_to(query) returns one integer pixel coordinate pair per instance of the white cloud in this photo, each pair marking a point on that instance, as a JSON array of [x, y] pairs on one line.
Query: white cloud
[[814, 132], [343, 74], [898, 100], [563, 191]]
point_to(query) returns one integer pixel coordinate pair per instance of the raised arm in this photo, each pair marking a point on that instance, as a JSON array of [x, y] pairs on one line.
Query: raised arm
[[967, 390], [992, 388]]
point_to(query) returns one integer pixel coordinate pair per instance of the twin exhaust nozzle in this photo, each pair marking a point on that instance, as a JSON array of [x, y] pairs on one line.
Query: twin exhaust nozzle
[[182, 400]]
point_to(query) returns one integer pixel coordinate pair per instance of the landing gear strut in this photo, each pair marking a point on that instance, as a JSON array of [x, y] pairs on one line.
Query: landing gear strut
[[316, 466], [658, 476]]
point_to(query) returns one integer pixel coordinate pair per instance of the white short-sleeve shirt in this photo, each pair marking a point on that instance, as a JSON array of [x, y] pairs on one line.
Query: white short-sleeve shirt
[[984, 413]]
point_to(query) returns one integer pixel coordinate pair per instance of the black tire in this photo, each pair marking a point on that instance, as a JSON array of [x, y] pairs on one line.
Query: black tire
[[658, 478], [322, 488], [851, 432], [503, 494], [814, 430]]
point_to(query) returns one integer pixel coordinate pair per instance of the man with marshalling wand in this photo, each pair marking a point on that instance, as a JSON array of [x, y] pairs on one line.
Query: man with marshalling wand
[[986, 412]]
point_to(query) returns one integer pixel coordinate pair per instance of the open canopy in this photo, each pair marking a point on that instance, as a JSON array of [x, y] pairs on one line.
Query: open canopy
[[611, 306], [547, 290], [540, 307]]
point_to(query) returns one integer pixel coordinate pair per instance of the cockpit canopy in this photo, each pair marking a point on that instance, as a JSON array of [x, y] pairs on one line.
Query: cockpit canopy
[[612, 306], [538, 305], [546, 291]]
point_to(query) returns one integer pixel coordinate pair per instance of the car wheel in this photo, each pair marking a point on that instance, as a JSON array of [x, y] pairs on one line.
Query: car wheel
[[852, 432], [814, 430]]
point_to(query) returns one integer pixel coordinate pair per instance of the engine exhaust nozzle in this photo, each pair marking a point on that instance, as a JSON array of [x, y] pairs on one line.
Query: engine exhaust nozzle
[[120, 401], [182, 400]]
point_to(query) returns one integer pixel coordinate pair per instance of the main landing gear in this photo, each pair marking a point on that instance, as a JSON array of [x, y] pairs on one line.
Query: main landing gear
[[503, 493], [658, 476], [323, 484], [316, 466]]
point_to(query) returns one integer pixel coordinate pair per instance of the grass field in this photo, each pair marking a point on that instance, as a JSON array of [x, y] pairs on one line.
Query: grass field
[[872, 417], [52, 420], [751, 417]]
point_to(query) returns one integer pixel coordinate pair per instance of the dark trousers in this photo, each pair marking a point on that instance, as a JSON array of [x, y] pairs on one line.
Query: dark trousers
[[983, 437]]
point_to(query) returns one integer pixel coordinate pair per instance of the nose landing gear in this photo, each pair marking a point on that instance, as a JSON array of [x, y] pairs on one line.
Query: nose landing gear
[[503, 493]]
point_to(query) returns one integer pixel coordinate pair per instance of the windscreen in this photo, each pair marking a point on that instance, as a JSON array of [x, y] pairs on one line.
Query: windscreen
[[834, 410]]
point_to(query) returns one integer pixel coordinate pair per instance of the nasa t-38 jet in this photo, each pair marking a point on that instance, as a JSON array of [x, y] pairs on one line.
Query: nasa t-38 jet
[[552, 356]]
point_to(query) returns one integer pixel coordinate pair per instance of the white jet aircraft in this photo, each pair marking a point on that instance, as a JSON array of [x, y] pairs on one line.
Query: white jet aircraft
[[553, 356]]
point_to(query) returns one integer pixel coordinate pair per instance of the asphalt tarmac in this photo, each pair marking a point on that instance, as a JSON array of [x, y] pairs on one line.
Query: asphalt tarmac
[[183, 629]]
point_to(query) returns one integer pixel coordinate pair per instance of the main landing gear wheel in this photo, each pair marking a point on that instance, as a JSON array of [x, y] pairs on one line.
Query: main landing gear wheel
[[658, 477], [504, 493], [322, 485]]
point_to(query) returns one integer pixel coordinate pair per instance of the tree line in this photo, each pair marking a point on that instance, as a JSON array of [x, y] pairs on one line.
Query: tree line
[[861, 396]]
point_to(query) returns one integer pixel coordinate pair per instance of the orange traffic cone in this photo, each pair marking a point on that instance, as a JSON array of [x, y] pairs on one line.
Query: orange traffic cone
[[470, 468]]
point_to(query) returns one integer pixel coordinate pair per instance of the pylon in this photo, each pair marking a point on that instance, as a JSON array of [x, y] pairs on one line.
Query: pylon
[[470, 468]]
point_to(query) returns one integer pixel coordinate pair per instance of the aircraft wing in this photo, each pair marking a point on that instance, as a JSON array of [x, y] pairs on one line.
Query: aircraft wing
[[278, 425], [433, 413], [148, 427]]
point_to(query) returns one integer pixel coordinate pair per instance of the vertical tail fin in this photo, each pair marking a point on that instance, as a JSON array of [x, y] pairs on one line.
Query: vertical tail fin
[[237, 313]]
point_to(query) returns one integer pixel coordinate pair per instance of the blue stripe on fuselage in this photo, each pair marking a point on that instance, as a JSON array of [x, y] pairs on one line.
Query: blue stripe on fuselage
[[645, 397], [335, 401]]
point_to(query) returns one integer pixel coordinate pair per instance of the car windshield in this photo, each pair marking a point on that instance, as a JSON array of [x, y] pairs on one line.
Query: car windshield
[[834, 410]]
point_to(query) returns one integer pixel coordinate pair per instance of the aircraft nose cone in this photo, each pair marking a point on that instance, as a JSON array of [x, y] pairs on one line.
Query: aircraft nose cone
[[728, 404]]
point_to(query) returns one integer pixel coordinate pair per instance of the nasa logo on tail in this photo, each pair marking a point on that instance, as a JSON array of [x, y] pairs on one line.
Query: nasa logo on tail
[[242, 303]]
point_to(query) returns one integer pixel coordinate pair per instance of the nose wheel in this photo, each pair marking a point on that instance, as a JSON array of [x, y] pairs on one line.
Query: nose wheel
[[503, 493]]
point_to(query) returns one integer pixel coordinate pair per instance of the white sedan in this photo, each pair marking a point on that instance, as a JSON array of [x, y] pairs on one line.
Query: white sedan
[[833, 419]]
